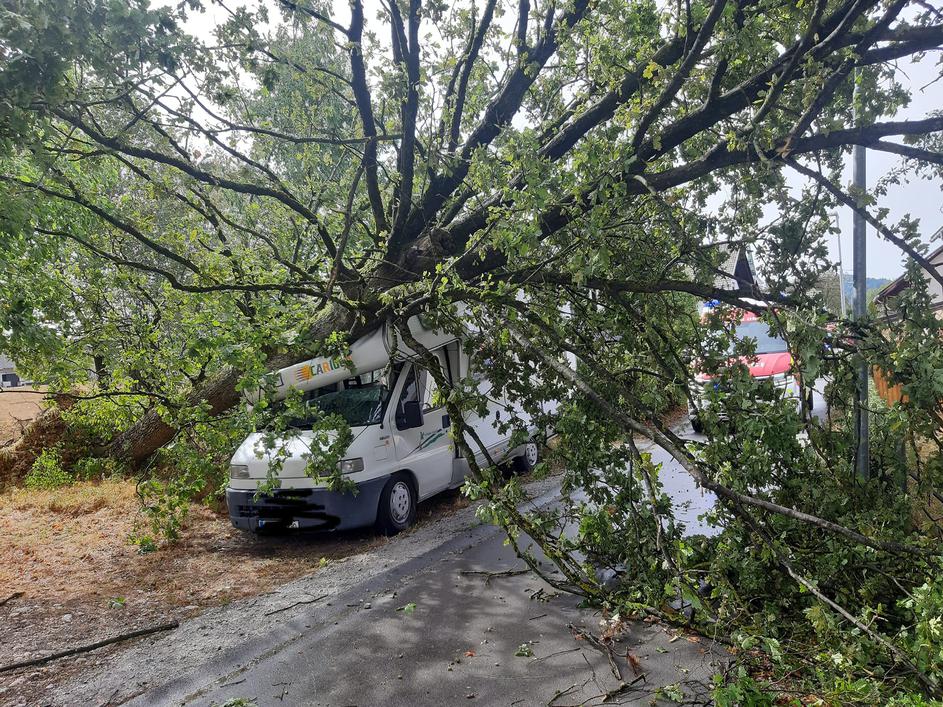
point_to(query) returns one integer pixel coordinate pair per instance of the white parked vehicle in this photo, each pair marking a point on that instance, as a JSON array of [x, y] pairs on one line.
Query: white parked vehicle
[[401, 451]]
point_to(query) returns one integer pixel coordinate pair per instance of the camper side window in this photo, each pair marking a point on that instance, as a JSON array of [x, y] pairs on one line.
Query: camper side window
[[429, 390], [410, 390]]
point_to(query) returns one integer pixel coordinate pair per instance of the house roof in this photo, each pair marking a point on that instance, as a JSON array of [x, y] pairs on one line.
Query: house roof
[[737, 271], [895, 287], [5, 362]]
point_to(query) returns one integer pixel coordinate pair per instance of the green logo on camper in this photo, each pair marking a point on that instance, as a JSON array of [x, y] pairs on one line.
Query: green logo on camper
[[429, 440]]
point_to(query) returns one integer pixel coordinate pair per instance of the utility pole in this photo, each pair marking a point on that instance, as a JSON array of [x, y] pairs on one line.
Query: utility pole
[[860, 305], [841, 272]]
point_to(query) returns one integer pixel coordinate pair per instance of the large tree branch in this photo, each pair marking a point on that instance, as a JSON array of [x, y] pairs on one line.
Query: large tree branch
[[187, 167], [680, 76], [303, 9], [75, 197], [406, 162], [496, 117], [300, 288], [365, 107], [832, 83], [467, 63], [889, 235], [634, 183], [909, 151], [675, 447], [713, 111]]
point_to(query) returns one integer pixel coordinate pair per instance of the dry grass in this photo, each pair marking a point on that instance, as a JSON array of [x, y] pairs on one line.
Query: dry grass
[[68, 552], [72, 544], [76, 500]]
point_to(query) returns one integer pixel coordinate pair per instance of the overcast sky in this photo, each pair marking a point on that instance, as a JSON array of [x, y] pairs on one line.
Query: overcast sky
[[920, 199]]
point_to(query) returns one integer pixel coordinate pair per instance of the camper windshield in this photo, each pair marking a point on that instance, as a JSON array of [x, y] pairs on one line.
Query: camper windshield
[[360, 401], [358, 406]]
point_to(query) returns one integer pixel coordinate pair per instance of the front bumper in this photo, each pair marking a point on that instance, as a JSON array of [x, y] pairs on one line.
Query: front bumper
[[313, 509]]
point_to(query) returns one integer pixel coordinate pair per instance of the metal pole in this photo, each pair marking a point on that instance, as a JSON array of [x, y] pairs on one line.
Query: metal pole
[[841, 274], [860, 306], [843, 307]]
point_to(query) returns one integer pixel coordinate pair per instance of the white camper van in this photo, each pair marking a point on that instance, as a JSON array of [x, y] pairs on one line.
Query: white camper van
[[401, 451]]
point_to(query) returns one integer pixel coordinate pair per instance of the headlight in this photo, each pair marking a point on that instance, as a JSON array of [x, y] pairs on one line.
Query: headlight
[[238, 471], [350, 466]]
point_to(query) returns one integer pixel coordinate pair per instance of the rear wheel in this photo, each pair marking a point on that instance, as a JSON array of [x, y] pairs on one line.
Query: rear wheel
[[397, 509], [528, 460]]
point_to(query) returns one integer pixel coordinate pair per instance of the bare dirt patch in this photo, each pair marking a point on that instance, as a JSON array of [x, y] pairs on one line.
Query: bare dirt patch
[[18, 407], [82, 581]]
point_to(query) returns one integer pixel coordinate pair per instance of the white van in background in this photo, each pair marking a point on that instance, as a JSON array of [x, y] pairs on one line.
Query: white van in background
[[401, 451]]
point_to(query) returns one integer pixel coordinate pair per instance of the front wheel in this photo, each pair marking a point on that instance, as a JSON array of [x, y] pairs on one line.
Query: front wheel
[[397, 509], [528, 460], [697, 426]]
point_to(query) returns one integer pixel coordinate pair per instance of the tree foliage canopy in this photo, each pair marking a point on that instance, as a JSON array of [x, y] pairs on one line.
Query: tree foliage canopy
[[183, 213]]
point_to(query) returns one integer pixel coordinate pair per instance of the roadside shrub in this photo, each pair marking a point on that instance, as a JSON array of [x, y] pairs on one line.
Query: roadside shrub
[[47, 471], [924, 638], [97, 469], [742, 691], [165, 505]]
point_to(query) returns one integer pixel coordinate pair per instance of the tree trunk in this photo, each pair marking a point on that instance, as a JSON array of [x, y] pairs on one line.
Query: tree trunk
[[150, 433]]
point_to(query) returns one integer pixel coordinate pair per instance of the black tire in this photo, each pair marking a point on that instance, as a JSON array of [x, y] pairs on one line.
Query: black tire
[[697, 426], [397, 507], [526, 463]]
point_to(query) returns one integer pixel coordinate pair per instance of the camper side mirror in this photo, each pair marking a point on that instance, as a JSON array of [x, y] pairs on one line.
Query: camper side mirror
[[410, 417]]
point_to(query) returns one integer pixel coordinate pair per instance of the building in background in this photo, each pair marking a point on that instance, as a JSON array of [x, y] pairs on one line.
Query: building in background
[[884, 300], [738, 270], [8, 376]]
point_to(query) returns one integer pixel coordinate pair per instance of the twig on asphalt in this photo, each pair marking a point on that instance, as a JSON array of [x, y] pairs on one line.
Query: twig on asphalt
[[551, 655], [297, 603], [491, 575], [90, 647], [560, 693], [602, 647]]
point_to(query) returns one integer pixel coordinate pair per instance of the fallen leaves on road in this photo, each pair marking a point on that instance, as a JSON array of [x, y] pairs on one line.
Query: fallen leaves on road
[[634, 663]]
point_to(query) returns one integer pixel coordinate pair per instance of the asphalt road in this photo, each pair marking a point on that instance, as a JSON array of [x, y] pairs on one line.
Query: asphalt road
[[448, 635], [418, 621]]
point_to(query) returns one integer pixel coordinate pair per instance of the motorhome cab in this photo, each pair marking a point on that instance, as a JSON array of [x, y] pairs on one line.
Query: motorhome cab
[[401, 451], [772, 361]]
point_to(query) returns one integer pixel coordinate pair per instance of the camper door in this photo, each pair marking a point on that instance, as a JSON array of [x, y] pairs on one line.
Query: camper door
[[422, 443]]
